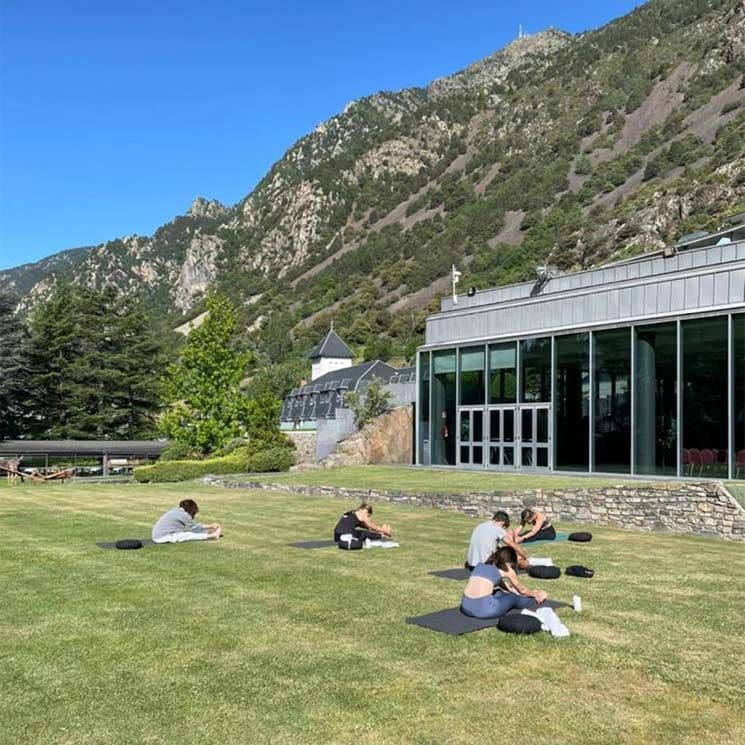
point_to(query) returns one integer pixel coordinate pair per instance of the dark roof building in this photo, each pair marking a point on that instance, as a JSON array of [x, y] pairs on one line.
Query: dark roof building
[[331, 346]]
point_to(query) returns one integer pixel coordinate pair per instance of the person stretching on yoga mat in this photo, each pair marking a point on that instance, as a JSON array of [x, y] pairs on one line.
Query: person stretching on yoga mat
[[358, 524], [178, 525], [540, 528], [488, 536], [493, 588]]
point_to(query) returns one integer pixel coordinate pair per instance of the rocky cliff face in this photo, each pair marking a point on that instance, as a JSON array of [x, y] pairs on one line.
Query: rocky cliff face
[[560, 148]]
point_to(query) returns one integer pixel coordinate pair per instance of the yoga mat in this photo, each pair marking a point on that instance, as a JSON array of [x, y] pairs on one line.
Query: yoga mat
[[112, 544], [313, 544], [459, 573], [559, 537], [452, 621]]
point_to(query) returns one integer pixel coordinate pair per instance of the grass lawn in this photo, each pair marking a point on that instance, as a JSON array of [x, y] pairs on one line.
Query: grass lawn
[[407, 478], [246, 641]]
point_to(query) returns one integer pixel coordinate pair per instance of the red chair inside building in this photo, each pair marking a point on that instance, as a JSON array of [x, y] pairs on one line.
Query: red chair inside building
[[694, 456], [708, 459], [739, 463]]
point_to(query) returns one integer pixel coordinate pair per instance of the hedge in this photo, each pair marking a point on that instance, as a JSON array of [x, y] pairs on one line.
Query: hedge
[[272, 459]]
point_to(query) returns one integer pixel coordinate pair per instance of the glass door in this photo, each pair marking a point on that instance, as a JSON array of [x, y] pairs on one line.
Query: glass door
[[519, 437], [471, 437], [502, 437], [535, 442]]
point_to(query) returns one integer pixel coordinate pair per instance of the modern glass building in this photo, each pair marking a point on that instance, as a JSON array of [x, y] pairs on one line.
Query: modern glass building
[[632, 368]]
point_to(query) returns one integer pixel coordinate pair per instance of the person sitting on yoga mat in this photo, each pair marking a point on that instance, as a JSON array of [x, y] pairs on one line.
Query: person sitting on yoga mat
[[358, 524], [488, 536], [539, 527], [493, 588], [178, 525]]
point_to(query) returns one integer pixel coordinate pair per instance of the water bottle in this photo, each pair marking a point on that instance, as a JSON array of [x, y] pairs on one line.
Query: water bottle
[[577, 603]]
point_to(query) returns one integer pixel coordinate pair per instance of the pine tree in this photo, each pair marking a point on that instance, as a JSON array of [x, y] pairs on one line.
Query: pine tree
[[207, 408], [14, 370], [96, 363]]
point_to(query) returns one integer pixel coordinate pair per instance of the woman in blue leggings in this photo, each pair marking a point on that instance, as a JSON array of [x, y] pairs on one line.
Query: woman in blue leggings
[[493, 587]]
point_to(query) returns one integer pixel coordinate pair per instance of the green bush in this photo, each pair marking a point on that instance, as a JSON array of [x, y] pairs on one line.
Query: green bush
[[241, 460], [177, 451]]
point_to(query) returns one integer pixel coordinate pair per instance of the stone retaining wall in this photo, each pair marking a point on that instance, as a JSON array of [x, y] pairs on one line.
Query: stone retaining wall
[[305, 445], [695, 508]]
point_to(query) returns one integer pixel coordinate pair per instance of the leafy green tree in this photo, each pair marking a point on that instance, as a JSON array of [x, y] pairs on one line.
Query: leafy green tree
[[369, 403], [14, 370], [206, 407]]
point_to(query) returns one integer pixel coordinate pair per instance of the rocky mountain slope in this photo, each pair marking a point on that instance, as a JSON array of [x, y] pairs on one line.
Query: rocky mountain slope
[[563, 149]]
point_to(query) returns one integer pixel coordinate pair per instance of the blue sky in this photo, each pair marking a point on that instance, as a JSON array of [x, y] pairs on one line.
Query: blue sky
[[114, 116]]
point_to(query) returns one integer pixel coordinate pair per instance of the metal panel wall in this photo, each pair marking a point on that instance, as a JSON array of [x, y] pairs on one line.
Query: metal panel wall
[[714, 287]]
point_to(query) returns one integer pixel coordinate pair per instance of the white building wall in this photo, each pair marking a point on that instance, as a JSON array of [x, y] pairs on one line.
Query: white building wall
[[327, 364]]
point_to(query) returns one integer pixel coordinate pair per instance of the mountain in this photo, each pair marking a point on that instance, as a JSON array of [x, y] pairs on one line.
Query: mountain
[[560, 149]]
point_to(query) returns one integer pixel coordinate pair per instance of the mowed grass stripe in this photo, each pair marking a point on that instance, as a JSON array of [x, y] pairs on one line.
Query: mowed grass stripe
[[247, 640]]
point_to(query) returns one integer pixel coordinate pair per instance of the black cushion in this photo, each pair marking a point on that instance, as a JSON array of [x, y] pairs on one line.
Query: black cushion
[[128, 544], [545, 572], [518, 623], [577, 570], [580, 537]]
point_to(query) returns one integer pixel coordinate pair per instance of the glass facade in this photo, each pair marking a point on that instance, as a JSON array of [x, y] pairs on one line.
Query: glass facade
[[535, 370], [705, 402], [660, 399], [472, 377], [612, 400], [443, 433], [423, 409], [572, 404], [738, 415], [503, 373], [656, 399]]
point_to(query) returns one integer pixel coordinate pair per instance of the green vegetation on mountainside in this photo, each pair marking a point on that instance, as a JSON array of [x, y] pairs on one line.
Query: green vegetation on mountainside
[[559, 149]]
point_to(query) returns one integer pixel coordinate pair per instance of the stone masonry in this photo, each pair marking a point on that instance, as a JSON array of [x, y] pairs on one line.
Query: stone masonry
[[695, 508]]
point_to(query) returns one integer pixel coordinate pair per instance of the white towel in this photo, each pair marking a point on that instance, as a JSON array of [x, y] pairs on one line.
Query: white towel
[[549, 622], [380, 544], [534, 561]]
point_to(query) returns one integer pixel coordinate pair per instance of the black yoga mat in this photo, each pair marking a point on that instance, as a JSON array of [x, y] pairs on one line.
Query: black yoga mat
[[112, 544], [452, 621], [313, 544], [459, 573]]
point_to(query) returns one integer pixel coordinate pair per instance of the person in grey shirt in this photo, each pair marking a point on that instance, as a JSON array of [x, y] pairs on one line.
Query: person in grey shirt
[[178, 525], [487, 537]]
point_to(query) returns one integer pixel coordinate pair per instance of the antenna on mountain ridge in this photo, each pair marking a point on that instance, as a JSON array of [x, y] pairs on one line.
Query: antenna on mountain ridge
[[520, 33]]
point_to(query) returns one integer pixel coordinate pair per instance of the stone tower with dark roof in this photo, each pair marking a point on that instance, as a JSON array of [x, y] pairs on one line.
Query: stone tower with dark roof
[[330, 354]]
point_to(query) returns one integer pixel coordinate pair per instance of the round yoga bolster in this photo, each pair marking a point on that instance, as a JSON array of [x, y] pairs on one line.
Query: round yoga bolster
[[128, 544], [580, 537], [517, 623], [577, 570], [542, 572]]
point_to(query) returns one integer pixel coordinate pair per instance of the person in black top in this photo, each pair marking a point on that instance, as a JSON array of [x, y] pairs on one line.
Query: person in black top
[[359, 524], [539, 527]]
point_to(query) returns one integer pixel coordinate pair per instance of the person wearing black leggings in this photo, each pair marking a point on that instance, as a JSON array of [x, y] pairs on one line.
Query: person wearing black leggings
[[538, 526], [359, 524]]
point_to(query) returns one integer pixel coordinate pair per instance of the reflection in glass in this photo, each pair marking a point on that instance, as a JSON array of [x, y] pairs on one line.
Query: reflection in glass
[[572, 402], [542, 425], [502, 372], [508, 456], [424, 408], [465, 426], [443, 407], [704, 352], [494, 428], [612, 381], [738, 414], [655, 399], [509, 425], [535, 369], [494, 456], [527, 425], [472, 377], [478, 457], [478, 426]]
